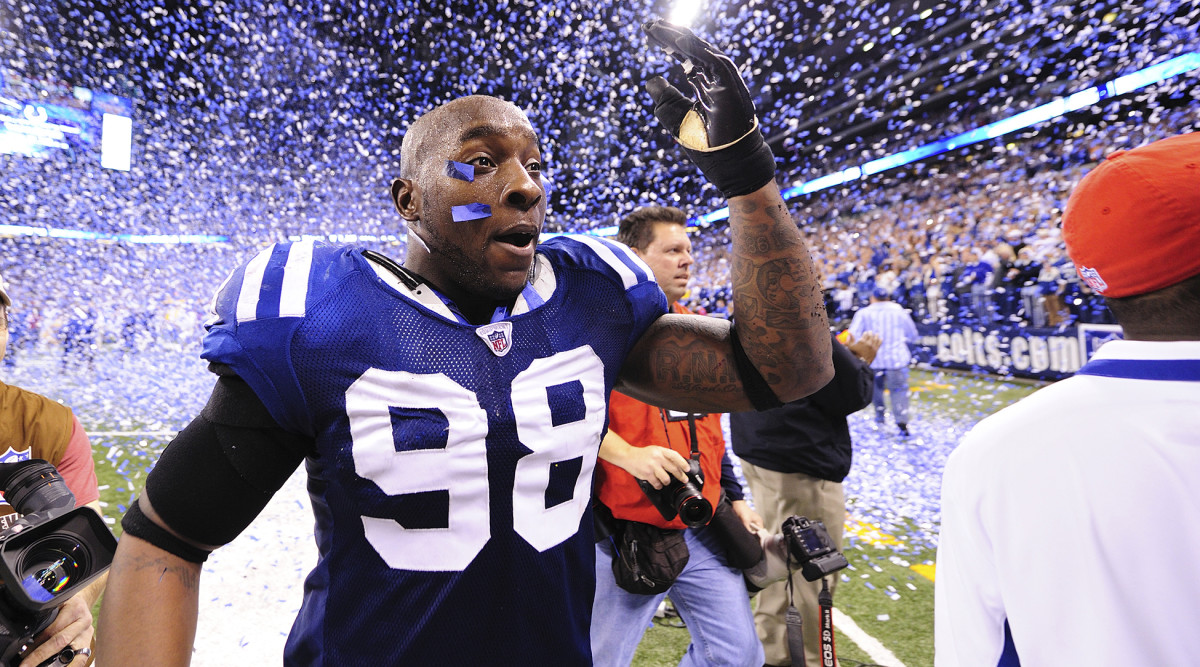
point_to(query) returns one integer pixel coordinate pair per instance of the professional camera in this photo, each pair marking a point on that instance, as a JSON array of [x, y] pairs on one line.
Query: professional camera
[[49, 554], [808, 542], [682, 499]]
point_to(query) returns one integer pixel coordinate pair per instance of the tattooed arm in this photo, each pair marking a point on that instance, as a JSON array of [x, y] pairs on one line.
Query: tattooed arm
[[150, 608], [686, 361]]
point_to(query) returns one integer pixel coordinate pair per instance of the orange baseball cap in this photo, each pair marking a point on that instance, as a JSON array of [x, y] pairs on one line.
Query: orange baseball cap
[[1132, 225]]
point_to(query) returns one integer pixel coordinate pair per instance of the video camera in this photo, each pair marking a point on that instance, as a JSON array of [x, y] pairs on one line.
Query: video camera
[[51, 553], [808, 542]]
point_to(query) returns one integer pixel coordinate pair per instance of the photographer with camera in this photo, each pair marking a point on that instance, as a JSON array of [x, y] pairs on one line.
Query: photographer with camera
[[795, 458], [35, 427], [656, 464]]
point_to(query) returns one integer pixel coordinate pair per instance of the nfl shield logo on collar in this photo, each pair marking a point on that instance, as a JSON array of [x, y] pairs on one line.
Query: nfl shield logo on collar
[[498, 337]]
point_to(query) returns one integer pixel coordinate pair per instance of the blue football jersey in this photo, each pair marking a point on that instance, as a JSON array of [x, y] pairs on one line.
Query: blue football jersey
[[452, 470]]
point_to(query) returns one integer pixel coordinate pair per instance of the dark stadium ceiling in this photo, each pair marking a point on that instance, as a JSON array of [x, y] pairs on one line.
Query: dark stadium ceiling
[[284, 87]]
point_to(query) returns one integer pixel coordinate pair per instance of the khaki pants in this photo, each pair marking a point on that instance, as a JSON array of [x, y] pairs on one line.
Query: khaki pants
[[777, 496]]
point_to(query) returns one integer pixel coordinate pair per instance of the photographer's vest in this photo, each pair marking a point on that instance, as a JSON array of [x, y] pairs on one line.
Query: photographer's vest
[[643, 425], [31, 427]]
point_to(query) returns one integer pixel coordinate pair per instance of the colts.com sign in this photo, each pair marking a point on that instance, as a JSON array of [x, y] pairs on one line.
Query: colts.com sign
[[1044, 354]]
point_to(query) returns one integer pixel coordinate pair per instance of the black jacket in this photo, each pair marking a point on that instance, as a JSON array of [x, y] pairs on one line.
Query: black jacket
[[809, 435]]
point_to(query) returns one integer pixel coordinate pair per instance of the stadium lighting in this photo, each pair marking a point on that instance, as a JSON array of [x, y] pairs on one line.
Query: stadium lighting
[[26, 230], [684, 12], [1059, 107], [116, 142]]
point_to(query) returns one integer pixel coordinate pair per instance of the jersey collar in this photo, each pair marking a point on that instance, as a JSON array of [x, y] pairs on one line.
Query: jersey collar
[[535, 293]]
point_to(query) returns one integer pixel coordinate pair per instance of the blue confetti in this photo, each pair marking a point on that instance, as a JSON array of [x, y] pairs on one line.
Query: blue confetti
[[460, 170], [470, 212], [113, 330]]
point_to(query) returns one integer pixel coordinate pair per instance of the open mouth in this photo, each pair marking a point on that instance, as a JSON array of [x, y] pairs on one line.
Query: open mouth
[[518, 239]]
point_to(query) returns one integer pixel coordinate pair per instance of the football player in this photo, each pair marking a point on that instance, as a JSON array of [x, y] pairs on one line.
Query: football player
[[449, 410]]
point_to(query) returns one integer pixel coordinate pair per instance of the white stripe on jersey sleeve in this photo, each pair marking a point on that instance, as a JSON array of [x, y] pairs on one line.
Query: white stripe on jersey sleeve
[[294, 292], [247, 305], [213, 317], [608, 253]]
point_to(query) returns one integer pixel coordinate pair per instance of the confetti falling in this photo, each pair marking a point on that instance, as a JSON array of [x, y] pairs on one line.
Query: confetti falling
[[469, 212], [460, 171], [264, 121]]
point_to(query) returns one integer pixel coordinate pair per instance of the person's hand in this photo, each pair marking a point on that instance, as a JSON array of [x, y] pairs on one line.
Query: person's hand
[[656, 465], [866, 347], [72, 627], [718, 129], [749, 517]]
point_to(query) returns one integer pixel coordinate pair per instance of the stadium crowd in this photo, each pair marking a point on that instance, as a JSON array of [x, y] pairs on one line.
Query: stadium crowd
[[228, 141], [971, 238]]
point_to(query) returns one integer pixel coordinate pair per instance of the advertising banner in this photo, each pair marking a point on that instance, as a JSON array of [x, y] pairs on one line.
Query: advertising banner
[[1042, 354]]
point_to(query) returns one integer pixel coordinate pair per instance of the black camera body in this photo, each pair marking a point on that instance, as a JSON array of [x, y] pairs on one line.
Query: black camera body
[[682, 499], [809, 544], [51, 553]]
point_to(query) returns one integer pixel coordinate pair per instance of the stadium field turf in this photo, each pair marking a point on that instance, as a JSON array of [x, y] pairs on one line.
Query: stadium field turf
[[892, 497]]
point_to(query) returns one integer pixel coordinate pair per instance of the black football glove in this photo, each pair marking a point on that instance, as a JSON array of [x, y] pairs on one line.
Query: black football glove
[[718, 130]]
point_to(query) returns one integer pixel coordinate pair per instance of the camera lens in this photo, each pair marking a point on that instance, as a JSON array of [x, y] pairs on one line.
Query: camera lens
[[50, 566], [35, 486], [695, 511]]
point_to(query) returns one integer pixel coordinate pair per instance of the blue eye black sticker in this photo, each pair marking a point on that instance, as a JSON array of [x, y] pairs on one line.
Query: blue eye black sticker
[[470, 212], [460, 170]]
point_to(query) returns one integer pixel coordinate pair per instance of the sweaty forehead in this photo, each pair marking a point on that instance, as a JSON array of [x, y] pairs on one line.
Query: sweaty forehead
[[485, 119], [443, 131], [487, 128]]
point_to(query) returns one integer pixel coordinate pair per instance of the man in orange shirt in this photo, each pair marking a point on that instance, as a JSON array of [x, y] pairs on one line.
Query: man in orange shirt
[[649, 443], [35, 427]]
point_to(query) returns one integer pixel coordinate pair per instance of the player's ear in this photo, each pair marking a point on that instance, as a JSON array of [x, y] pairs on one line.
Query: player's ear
[[405, 198]]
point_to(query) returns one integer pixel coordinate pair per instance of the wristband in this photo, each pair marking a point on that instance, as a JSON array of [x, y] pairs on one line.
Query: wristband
[[136, 523], [740, 168]]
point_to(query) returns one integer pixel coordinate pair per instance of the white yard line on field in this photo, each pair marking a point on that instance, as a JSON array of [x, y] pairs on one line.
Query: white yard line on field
[[877, 652]]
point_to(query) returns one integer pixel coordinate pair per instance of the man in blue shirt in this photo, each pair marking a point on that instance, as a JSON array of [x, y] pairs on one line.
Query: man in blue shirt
[[895, 326]]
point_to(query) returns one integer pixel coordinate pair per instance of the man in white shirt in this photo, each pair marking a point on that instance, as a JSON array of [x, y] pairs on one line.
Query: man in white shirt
[[895, 326], [1071, 520]]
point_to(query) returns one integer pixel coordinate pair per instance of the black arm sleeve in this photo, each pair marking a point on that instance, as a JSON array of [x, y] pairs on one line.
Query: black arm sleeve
[[220, 471], [852, 386], [761, 396]]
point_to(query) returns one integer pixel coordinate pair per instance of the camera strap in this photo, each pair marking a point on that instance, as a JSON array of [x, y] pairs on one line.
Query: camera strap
[[795, 627], [692, 433], [825, 601], [691, 420], [795, 632]]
